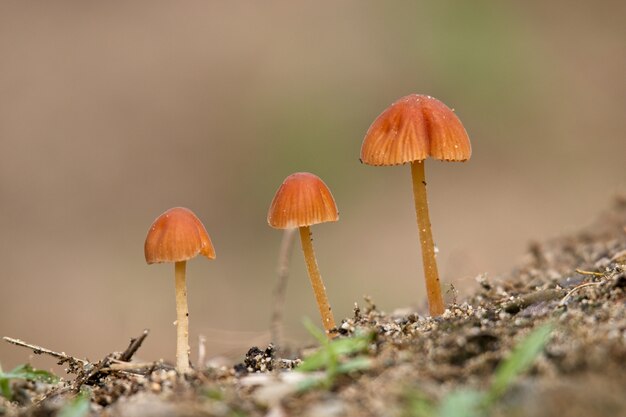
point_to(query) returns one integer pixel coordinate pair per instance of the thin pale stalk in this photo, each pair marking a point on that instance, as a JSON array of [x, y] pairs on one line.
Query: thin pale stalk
[[316, 280], [182, 320], [433, 286], [276, 322]]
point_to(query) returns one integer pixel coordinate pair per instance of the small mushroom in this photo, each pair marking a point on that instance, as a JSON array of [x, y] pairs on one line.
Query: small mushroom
[[177, 236], [410, 130], [301, 201]]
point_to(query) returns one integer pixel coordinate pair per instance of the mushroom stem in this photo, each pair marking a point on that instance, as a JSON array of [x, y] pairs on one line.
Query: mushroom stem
[[316, 280], [182, 320], [433, 287]]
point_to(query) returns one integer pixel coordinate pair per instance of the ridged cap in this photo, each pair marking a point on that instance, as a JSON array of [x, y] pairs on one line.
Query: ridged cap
[[175, 236], [302, 200], [412, 129]]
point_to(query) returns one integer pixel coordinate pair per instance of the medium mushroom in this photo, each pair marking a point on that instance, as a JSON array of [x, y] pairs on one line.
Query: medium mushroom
[[410, 130], [177, 236], [301, 201]]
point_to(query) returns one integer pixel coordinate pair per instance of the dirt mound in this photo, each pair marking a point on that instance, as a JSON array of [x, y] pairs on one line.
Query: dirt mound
[[403, 364]]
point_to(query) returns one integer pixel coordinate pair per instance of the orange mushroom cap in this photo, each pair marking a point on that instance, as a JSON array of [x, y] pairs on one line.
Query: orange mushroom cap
[[302, 200], [175, 236], [414, 128]]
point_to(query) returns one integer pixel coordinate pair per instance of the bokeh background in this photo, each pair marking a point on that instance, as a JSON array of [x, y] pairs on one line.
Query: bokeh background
[[113, 112]]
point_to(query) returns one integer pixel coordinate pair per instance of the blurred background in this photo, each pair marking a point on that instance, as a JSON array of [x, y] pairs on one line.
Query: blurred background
[[113, 112]]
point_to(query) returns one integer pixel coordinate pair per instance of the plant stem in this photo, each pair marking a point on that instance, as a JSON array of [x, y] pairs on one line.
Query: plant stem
[[276, 322], [182, 320], [433, 287], [316, 280]]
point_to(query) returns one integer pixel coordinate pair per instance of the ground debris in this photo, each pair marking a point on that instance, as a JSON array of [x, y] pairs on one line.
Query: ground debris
[[578, 283]]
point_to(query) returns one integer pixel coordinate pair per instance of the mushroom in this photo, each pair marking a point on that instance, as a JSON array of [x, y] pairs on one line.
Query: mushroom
[[177, 236], [410, 130], [301, 201]]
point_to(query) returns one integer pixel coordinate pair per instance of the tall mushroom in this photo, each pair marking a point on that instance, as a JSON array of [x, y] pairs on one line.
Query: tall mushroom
[[177, 236], [301, 201], [410, 130]]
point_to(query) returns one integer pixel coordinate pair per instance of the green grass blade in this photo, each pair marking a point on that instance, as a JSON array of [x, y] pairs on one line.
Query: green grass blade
[[315, 362], [29, 373], [360, 363], [5, 388], [462, 403], [77, 407], [419, 405], [26, 372], [520, 360], [315, 332]]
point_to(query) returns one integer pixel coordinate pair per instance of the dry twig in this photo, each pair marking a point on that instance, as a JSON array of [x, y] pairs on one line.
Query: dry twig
[[576, 288], [38, 350], [594, 274], [142, 368], [134, 345], [521, 302]]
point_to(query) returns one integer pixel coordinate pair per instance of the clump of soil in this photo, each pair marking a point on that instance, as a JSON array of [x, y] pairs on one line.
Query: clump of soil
[[577, 282]]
